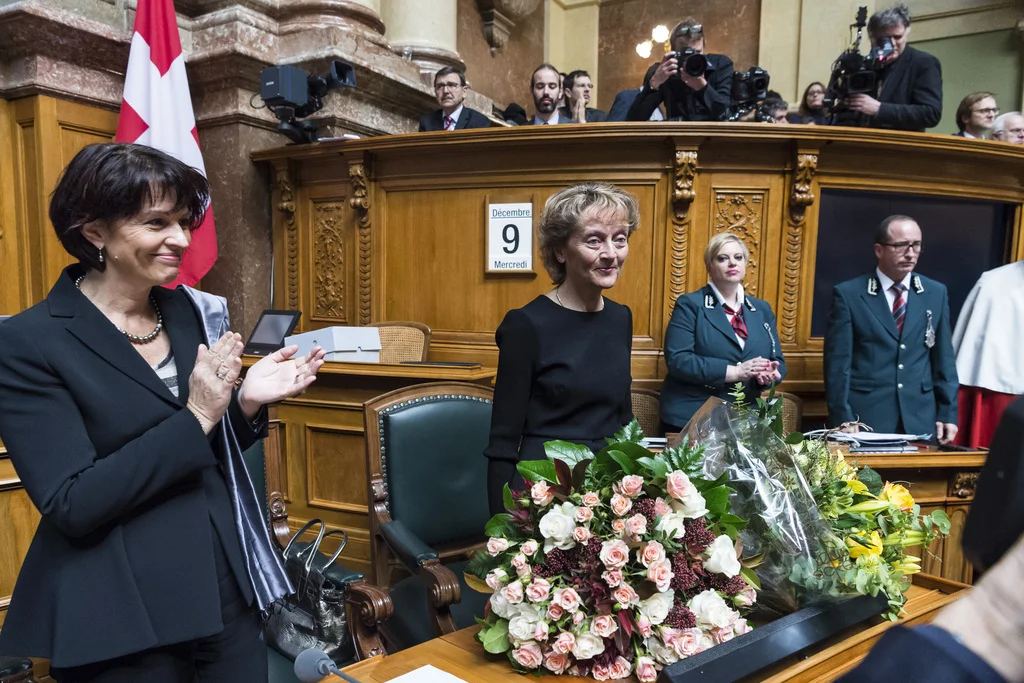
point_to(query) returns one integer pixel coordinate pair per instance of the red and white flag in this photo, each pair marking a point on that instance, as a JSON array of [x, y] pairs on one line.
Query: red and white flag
[[156, 110]]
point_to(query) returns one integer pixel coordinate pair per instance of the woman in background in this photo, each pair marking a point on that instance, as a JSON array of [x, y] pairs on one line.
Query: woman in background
[[812, 105], [718, 336], [563, 363]]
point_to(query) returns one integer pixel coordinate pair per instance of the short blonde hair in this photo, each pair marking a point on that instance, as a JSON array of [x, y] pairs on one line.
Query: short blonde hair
[[715, 245], [563, 216]]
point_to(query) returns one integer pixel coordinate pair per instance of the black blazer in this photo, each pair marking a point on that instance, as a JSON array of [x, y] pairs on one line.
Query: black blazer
[[683, 102], [591, 115], [129, 487], [468, 118], [911, 93]]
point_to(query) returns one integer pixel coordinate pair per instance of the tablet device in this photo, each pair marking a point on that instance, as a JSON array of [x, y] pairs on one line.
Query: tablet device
[[270, 331]]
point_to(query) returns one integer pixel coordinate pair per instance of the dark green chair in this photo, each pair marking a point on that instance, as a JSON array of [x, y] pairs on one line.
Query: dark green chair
[[427, 479], [368, 605]]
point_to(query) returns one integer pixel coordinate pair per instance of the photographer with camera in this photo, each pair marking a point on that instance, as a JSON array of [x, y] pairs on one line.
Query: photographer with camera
[[908, 92], [693, 86]]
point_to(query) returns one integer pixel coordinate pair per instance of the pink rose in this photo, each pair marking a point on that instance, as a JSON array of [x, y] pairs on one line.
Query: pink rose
[[636, 525], [591, 499], [723, 635], [496, 578], [621, 504], [745, 598], [540, 631], [496, 546], [567, 598], [613, 577], [584, 514], [621, 668], [563, 643], [513, 593], [651, 553], [577, 618], [632, 485], [625, 595], [528, 655], [538, 590], [581, 534], [619, 526], [520, 564], [741, 626], [602, 673], [678, 484], [557, 663], [530, 547], [555, 612], [686, 642], [614, 554], [646, 671], [643, 624], [660, 507], [604, 626], [541, 493], [660, 574]]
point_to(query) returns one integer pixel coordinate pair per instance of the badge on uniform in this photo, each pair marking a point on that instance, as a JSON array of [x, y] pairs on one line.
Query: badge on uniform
[[918, 287], [873, 286], [709, 301], [929, 331]]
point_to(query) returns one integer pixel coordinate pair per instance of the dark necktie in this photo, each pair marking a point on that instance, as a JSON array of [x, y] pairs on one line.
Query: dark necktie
[[738, 326], [899, 306], [448, 121]]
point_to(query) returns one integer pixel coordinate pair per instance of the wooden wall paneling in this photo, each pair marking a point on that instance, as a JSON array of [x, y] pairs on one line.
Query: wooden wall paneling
[[19, 520], [330, 451], [954, 565], [678, 259], [14, 276], [286, 240]]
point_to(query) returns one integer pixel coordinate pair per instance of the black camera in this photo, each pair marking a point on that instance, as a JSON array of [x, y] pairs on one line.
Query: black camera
[[291, 93], [692, 62], [748, 89], [853, 73]]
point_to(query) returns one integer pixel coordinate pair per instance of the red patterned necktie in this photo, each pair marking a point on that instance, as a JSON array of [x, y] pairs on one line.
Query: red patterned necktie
[[448, 121], [736, 321], [899, 306]]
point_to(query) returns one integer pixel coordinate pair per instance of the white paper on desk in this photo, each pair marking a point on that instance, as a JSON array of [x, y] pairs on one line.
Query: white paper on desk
[[875, 437], [427, 674]]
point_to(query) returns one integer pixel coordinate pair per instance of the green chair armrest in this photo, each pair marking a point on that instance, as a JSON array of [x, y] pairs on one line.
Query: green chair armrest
[[410, 549]]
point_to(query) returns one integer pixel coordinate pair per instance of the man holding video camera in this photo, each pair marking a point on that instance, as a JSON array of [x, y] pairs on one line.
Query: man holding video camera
[[910, 81], [692, 85]]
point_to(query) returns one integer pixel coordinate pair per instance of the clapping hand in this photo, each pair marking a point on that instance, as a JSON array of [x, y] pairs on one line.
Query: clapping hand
[[770, 374], [579, 110], [212, 379], [277, 377]]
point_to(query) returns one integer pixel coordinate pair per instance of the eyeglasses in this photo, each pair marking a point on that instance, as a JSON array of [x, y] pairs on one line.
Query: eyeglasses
[[690, 31], [904, 247], [986, 111], [447, 86]]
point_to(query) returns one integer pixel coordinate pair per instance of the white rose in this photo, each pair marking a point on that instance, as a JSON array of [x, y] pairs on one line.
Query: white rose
[[711, 610], [501, 606], [656, 607], [531, 613], [587, 646], [692, 505], [672, 524], [557, 526], [722, 557], [520, 628], [661, 652]]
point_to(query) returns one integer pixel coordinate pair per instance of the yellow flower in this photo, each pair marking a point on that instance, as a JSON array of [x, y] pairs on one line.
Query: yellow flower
[[898, 496], [861, 544], [909, 564], [856, 486]]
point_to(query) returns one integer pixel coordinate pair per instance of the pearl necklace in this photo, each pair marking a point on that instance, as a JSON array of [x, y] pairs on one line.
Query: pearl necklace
[[559, 300], [135, 339]]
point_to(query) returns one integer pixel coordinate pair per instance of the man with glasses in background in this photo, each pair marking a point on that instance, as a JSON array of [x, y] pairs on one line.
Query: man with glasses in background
[[450, 90], [976, 115], [1009, 128], [700, 95], [889, 360]]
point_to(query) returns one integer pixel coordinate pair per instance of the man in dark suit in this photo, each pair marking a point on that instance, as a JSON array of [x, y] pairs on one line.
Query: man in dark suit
[[910, 96], [624, 99], [450, 89], [976, 115], [576, 87], [889, 359], [687, 97]]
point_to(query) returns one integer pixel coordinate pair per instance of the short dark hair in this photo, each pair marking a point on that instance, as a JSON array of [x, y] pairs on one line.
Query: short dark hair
[[882, 231], [570, 79], [112, 181], [772, 105], [540, 68], [804, 111], [897, 15], [966, 105], [448, 70]]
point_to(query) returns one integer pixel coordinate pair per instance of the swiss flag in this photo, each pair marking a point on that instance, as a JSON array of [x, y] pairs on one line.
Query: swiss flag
[[156, 110]]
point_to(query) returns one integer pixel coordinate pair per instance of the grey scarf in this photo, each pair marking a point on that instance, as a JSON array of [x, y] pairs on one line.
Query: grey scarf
[[262, 561]]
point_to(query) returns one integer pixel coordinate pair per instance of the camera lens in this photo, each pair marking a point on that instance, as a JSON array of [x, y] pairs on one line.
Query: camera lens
[[696, 65]]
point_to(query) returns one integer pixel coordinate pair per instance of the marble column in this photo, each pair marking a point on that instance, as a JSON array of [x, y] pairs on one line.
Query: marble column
[[424, 31]]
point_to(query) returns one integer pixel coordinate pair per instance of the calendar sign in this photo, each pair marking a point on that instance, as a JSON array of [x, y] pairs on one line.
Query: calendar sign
[[509, 238]]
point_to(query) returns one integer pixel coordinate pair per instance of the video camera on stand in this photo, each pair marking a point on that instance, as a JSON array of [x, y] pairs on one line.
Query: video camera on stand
[[852, 72], [292, 94], [749, 88]]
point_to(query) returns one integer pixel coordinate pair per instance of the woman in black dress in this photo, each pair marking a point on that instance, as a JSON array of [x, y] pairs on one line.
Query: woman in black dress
[[563, 365]]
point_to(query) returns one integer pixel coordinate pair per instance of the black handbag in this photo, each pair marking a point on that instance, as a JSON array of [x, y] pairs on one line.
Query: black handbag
[[314, 616]]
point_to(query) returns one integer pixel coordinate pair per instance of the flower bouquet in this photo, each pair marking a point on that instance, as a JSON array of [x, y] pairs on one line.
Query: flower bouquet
[[613, 564]]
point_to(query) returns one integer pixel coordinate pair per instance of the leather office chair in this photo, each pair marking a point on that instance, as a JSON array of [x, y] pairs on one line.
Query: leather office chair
[[428, 488], [367, 605], [647, 410], [403, 341]]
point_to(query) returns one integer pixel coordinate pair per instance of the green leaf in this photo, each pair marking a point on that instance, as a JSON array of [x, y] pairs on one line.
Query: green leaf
[[941, 520], [497, 525], [570, 453], [794, 438], [717, 500], [625, 462], [631, 432], [750, 576], [495, 639], [535, 470], [507, 499], [871, 479]]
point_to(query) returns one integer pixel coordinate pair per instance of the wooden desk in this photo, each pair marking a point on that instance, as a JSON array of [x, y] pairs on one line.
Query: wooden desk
[[316, 450], [460, 655]]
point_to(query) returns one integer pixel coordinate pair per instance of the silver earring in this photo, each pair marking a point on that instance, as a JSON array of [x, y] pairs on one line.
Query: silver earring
[[101, 254]]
